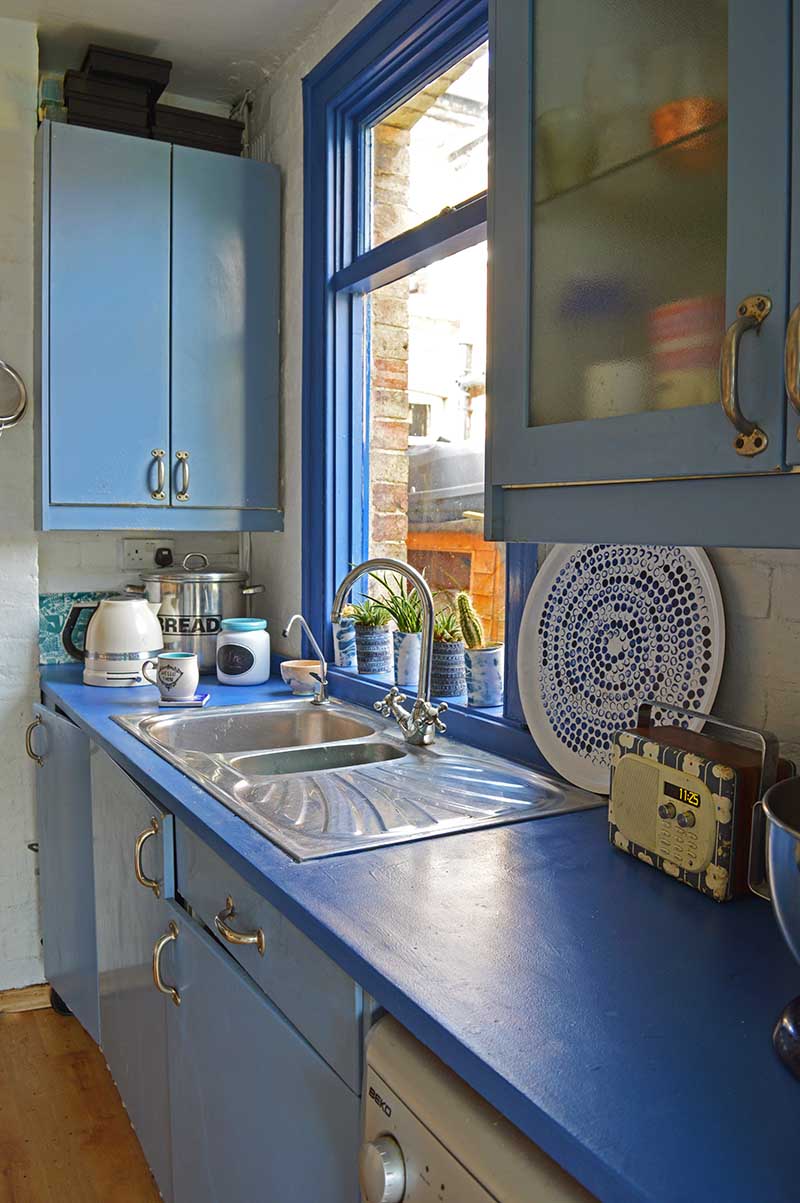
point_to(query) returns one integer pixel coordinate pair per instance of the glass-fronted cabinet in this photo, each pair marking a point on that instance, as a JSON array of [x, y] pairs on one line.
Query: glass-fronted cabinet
[[639, 224]]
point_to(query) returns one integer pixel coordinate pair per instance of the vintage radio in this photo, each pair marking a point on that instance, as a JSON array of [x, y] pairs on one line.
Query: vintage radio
[[682, 801]]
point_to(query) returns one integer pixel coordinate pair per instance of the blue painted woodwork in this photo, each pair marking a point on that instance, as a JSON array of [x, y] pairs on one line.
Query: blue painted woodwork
[[157, 280], [680, 443], [293, 972], [129, 921], [106, 342], [518, 965], [256, 1113], [66, 878], [389, 55], [792, 417], [225, 312]]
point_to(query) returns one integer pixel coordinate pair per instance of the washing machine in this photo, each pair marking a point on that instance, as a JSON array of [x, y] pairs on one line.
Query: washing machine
[[429, 1138]]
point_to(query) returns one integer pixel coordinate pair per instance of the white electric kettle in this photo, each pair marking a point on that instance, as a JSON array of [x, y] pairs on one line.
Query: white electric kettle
[[122, 633]]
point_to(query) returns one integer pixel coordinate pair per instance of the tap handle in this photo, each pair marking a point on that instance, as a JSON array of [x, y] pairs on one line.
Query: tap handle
[[437, 721], [385, 706]]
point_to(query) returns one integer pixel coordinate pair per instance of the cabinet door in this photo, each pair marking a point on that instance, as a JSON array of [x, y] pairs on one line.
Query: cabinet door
[[107, 340], [257, 1115], [130, 918], [225, 283], [640, 195], [66, 881]]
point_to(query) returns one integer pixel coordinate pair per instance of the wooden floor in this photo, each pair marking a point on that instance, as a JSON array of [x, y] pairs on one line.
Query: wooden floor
[[64, 1134]]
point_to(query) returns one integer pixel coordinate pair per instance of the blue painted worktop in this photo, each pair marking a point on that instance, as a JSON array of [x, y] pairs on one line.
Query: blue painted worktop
[[619, 1019]]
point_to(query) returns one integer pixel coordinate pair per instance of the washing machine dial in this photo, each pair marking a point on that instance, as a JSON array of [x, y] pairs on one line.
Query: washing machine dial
[[382, 1171]]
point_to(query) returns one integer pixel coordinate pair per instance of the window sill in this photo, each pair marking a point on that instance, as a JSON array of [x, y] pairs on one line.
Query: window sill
[[486, 729]]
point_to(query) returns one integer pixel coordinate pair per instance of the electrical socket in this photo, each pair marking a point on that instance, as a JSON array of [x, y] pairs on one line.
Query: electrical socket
[[141, 553]]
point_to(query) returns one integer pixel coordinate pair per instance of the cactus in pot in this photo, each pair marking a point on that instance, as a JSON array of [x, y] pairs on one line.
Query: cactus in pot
[[373, 638], [484, 663]]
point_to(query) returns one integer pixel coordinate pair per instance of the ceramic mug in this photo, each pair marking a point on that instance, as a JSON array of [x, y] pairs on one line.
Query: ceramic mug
[[176, 675]]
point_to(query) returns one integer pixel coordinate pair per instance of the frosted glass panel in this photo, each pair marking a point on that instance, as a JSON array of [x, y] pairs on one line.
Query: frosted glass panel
[[629, 216]]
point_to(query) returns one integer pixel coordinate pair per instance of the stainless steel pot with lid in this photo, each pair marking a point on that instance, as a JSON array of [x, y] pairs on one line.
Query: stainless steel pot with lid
[[193, 602]]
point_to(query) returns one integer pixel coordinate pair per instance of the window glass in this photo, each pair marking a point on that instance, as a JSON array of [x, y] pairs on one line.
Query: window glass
[[426, 351], [431, 152]]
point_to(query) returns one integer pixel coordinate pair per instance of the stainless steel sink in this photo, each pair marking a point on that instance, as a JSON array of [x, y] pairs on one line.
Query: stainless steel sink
[[313, 760], [318, 782], [232, 729]]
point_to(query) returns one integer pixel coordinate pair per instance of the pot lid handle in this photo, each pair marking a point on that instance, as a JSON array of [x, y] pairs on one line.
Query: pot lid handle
[[195, 555]]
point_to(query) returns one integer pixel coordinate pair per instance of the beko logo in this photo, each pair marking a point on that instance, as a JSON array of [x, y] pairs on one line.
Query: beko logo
[[376, 1098]]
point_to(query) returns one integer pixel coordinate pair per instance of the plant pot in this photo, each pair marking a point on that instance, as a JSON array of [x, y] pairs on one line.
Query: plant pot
[[406, 657], [373, 650], [448, 678], [344, 643], [484, 670]]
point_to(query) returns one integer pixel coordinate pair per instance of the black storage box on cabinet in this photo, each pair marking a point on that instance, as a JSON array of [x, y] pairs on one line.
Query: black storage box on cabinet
[[151, 73], [107, 104], [187, 127]]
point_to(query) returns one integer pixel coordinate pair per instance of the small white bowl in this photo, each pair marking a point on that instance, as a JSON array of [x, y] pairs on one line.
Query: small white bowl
[[297, 675]]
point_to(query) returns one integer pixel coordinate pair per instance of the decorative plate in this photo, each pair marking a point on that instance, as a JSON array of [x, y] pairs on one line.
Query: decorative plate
[[606, 627]]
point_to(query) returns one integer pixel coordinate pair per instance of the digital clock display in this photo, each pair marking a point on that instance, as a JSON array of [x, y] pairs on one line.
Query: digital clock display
[[689, 796]]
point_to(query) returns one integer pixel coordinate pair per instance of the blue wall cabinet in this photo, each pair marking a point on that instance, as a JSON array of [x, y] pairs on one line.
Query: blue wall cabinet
[[639, 210], [157, 335], [66, 882], [130, 918], [256, 1113], [225, 307]]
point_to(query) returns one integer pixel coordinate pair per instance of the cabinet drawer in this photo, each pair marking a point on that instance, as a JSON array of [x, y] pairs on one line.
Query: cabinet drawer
[[312, 991]]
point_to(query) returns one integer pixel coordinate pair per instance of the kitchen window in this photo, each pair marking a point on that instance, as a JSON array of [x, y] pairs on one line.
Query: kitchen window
[[395, 293]]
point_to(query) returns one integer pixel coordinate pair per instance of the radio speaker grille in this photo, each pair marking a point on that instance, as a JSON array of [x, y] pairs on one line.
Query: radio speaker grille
[[635, 799]]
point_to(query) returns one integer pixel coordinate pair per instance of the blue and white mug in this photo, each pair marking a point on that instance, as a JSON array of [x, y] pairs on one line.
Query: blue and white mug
[[344, 643], [176, 675]]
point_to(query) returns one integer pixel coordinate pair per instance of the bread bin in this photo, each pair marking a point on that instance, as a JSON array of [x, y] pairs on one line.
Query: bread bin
[[193, 601]]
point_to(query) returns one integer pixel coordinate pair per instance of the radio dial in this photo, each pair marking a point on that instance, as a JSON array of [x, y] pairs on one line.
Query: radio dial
[[667, 810], [686, 819], [382, 1171]]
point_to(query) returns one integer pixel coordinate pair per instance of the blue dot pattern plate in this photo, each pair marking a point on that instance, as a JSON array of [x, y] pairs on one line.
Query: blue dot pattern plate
[[606, 627]]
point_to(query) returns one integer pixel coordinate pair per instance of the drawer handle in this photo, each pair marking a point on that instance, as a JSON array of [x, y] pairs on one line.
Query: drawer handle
[[237, 937], [29, 740], [161, 943], [183, 460], [750, 438], [149, 883], [158, 493]]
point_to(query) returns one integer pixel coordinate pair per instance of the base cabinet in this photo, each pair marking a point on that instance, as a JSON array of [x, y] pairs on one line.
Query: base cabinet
[[130, 918], [256, 1115], [66, 884]]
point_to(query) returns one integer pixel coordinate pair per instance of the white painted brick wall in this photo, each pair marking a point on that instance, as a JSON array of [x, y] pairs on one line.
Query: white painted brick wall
[[93, 560]]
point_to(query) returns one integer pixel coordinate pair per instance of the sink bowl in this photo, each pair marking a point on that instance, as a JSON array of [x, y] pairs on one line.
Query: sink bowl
[[229, 730], [313, 760], [319, 781]]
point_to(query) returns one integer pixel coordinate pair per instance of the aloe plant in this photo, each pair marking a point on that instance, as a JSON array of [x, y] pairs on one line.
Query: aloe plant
[[369, 613], [445, 626], [468, 620], [400, 602]]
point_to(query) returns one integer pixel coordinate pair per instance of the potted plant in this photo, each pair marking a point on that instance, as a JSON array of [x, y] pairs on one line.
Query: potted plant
[[401, 602], [344, 640], [484, 662], [448, 678], [373, 640]]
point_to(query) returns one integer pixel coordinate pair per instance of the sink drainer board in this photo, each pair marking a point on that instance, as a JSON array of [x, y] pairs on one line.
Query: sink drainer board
[[319, 782]]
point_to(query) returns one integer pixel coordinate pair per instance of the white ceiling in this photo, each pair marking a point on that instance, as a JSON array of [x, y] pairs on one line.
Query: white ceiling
[[218, 47]]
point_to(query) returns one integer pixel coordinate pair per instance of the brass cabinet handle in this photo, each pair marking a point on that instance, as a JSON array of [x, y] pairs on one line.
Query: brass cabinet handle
[[148, 882], [161, 943], [183, 459], [158, 493], [37, 722], [236, 937], [791, 360], [750, 439]]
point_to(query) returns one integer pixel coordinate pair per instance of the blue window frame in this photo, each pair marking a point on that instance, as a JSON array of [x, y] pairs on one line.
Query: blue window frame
[[394, 52]]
